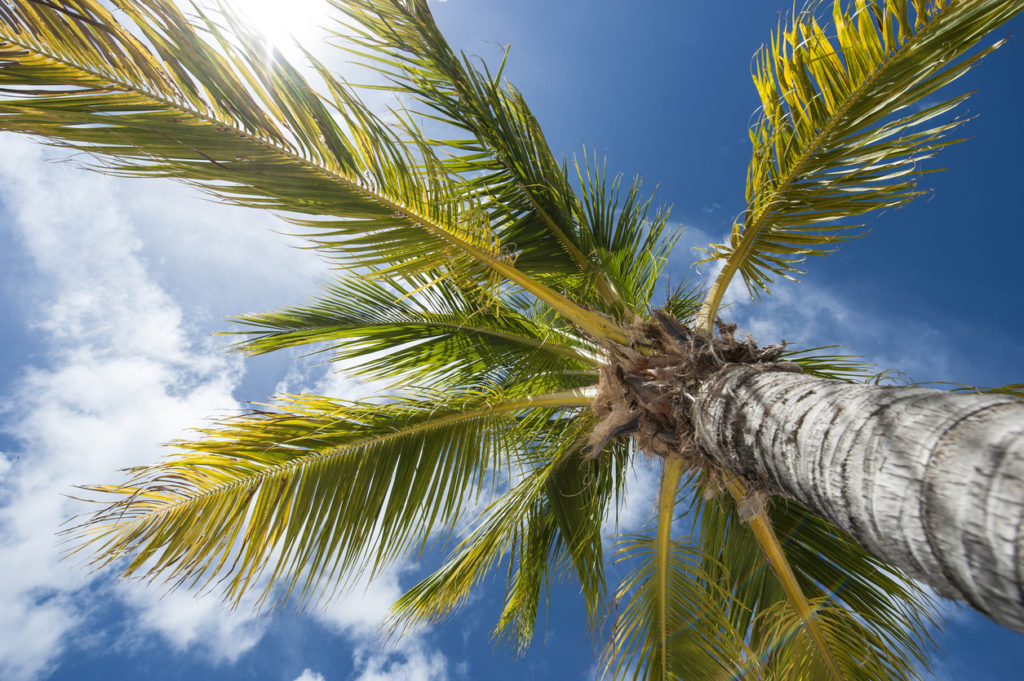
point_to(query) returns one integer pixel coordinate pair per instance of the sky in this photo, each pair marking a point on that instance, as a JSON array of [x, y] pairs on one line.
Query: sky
[[110, 291]]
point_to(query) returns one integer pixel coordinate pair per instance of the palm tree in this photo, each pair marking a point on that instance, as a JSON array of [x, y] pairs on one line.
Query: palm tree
[[506, 300]]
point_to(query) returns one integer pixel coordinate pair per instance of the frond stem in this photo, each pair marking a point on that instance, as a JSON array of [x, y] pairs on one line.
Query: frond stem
[[604, 287], [761, 526], [671, 474]]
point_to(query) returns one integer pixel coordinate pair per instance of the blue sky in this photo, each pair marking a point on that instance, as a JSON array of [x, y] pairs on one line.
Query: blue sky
[[110, 291]]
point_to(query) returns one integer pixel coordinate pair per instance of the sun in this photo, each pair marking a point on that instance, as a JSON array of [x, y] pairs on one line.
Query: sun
[[285, 22]]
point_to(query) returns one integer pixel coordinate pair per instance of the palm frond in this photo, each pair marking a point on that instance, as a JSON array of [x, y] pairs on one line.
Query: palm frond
[[845, 123], [628, 245], [207, 106], [563, 538], [505, 159], [428, 331], [684, 301], [893, 616], [1014, 389], [701, 641], [318, 491], [447, 588], [668, 491], [854, 639], [547, 526], [851, 368]]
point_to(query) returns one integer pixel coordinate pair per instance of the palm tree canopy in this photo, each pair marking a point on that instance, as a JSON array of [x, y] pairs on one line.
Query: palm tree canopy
[[502, 294]]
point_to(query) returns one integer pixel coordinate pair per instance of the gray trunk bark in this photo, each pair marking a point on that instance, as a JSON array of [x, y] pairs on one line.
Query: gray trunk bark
[[929, 481]]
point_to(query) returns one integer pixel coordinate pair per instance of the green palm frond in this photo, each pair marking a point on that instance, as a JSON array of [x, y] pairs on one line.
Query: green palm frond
[[547, 526], [628, 245], [562, 538], [850, 368], [505, 159], [701, 641], [844, 126], [247, 128], [428, 331], [892, 615], [316, 492], [208, 107], [447, 588], [854, 639], [684, 301], [714, 633]]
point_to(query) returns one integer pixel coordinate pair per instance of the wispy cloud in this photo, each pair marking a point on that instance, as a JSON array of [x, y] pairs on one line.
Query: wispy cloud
[[809, 314], [202, 625], [638, 505], [126, 287]]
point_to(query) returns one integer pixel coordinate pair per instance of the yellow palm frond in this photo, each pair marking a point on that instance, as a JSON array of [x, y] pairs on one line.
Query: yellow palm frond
[[845, 122], [317, 491], [206, 105]]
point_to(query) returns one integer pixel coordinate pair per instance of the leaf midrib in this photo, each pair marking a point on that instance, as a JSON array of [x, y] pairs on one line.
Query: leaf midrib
[[525, 340], [568, 398]]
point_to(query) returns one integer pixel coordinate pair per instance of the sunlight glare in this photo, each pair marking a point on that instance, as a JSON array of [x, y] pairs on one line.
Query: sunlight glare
[[285, 22]]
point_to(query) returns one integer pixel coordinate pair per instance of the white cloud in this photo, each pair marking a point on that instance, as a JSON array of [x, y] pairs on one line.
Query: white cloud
[[309, 375], [202, 624], [806, 315], [117, 373], [415, 664], [218, 260], [358, 614], [30, 633], [685, 253], [359, 611], [309, 675], [124, 291], [638, 505]]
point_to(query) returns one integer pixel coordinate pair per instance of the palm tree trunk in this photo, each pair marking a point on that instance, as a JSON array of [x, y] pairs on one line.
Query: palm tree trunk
[[930, 481]]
